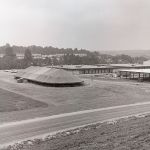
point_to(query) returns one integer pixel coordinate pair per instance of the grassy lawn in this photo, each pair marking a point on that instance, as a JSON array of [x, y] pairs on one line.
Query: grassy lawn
[[125, 134], [95, 94], [10, 101]]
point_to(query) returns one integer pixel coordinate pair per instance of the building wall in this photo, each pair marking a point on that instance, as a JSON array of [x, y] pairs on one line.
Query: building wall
[[93, 71]]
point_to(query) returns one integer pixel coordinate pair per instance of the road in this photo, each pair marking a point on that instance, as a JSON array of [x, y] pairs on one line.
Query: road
[[18, 131]]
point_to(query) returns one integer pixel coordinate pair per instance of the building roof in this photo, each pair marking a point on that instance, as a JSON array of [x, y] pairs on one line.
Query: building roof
[[101, 66], [136, 70], [82, 67], [129, 65], [48, 75]]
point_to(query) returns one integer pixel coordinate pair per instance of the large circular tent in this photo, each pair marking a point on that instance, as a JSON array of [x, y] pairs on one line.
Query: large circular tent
[[49, 76]]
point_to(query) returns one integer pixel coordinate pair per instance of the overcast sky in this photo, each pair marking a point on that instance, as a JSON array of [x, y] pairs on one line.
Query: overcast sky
[[91, 24]]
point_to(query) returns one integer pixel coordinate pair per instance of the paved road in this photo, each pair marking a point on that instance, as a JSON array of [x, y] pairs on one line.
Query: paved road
[[17, 131]]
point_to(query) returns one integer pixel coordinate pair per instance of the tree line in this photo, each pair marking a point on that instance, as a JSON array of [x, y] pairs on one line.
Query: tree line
[[10, 60], [48, 50]]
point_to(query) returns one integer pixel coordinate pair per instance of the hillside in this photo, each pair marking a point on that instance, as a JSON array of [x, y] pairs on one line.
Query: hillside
[[50, 50], [133, 53], [44, 50]]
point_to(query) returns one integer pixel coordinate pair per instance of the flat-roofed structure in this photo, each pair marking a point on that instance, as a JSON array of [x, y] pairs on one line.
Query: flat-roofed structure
[[130, 66], [87, 69], [139, 74], [49, 76], [100, 68]]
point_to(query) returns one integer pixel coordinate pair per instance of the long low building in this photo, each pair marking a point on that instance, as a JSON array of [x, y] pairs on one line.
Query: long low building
[[100, 68], [130, 66], [139, 74], [87, 69]]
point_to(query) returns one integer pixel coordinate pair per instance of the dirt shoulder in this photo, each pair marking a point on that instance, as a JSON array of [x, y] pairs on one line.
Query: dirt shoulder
[[123, 134]]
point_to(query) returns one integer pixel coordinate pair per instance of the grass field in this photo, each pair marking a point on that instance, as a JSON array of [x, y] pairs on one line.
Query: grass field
[[95, 94], [10, 101], [125, 134]]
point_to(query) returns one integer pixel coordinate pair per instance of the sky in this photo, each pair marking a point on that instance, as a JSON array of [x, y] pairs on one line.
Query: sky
[[90, 24]]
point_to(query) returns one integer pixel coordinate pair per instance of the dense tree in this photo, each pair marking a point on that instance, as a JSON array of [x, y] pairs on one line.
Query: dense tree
[[55, 61], [28, 60], [28, 55], [68, 56], [47, 61], [9, 51], [9, 59]]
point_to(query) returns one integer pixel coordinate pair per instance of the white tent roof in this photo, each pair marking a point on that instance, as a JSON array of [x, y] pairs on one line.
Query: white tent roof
[[48, 75]]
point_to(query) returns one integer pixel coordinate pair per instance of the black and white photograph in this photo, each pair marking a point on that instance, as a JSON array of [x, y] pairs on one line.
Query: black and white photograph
[[74, 74]]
